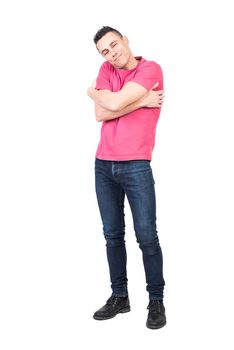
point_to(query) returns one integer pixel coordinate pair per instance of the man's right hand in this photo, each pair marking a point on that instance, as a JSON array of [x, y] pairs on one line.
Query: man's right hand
[[153, 99]]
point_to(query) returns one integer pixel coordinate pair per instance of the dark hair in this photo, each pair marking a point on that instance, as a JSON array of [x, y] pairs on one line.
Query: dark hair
[[103, 31]]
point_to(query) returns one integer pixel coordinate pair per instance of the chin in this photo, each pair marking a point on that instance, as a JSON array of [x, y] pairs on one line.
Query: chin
[[120, 65]]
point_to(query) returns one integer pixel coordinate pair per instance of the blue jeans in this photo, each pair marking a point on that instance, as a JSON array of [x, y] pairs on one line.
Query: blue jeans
[[114, 179]]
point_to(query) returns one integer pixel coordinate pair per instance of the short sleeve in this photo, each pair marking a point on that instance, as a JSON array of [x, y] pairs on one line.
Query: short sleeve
[[148, 74], [103, 79]]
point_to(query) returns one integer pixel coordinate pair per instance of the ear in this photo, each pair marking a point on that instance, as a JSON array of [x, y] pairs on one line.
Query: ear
[[125, 39]]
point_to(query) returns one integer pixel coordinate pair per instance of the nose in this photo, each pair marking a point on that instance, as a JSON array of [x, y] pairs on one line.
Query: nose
[[112, 52]]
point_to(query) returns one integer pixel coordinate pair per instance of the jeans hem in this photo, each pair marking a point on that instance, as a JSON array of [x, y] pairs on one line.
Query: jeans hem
[[156, 298], [120, 295]]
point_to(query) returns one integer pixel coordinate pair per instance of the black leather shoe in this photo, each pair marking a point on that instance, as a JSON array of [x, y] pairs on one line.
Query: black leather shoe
[[114, 306], [156, 316]]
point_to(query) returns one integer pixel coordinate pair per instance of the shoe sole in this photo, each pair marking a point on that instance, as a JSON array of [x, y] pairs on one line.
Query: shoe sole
[[122, 311], [156, 327]]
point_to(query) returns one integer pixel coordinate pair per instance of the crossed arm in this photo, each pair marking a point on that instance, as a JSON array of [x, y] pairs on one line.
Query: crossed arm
[[110, 105]]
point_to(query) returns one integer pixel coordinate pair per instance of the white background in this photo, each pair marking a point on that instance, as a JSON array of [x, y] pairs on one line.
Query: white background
[[54, 273]]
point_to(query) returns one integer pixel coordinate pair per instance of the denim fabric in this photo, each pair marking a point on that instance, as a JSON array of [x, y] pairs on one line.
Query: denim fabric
[[114, 180]]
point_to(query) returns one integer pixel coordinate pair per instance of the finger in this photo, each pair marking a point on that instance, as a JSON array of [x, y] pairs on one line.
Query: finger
[[160, 92], [155, 85]]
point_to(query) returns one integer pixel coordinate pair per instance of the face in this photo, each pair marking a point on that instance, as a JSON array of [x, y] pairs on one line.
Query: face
[[115, 50]]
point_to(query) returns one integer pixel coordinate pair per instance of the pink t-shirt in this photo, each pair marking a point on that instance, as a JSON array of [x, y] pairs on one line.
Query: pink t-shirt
[[131, 136]]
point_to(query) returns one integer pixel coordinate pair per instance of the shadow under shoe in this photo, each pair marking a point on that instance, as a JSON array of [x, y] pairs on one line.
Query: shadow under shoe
[[113, 306], [156, 316]]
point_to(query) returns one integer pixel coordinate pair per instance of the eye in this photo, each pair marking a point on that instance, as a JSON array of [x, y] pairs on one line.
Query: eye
[[114, 44]]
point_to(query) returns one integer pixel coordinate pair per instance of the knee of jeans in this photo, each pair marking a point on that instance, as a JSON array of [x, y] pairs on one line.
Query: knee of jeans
[[146, 234], [150, 248], [114, 240]]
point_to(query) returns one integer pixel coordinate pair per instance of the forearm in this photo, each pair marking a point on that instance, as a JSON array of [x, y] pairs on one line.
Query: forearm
[[105, 99], [118, 100], [104, 114]]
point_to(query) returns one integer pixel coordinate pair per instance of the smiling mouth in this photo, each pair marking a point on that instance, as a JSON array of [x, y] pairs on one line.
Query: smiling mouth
[[117, 57]]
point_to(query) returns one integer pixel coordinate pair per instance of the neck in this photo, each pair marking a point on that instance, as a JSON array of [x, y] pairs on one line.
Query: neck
[[133, 62]]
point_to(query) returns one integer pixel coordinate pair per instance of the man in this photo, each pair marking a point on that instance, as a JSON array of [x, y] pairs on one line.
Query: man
[[128, 106]]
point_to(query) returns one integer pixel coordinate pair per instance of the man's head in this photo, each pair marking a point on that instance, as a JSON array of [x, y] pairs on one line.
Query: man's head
[[113, 46], [103, 31]]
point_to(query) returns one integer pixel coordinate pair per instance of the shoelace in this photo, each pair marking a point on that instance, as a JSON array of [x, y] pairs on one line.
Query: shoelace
[[154, 305], [112, 300]]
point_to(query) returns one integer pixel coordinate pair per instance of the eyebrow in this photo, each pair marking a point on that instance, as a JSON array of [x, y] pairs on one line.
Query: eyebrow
[[109, 45]]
